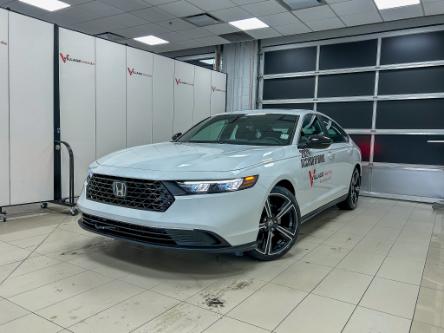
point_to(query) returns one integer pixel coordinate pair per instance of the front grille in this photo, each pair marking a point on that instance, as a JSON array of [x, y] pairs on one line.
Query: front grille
[[140, 194], [154, 236]]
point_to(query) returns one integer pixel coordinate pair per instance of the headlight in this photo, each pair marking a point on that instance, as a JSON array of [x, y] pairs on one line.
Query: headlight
[[218, 186]]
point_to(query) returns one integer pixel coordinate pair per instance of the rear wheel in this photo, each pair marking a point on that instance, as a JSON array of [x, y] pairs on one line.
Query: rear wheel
[[278, 226], [353, 193]]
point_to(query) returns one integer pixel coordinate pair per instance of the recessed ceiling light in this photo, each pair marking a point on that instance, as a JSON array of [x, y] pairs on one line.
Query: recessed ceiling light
[[387, 4], [49, 5], [151, 40], [249, 24]]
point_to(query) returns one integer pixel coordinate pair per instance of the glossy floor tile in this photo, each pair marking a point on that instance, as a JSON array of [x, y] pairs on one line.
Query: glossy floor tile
[[379, 268]]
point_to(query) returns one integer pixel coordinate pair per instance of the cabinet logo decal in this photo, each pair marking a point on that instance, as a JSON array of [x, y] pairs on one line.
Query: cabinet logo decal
[[319, 177], [214, 89], [67, 58], [180, 81], [2, 42], [132, 71]]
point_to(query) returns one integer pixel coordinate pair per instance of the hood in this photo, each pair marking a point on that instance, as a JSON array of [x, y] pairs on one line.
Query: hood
[[189, 157]]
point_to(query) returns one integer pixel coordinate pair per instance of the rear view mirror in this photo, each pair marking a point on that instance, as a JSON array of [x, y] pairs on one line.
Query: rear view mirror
[[176, 136], [318, 142]]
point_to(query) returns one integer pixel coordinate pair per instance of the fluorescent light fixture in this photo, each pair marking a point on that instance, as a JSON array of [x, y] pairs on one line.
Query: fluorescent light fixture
[[249, 24], [208, 61], [387, 4], [49, 5], [151, 40]]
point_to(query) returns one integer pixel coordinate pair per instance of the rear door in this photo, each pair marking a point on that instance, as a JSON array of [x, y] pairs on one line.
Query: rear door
[[338, 156]]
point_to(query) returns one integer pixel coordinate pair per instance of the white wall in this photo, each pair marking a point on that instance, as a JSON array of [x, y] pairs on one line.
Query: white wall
[[218, 92], [139, 105], [110, 97], [202, 94], [183, 96], [4, 110], [31, 109], [163, 98], [77, 103]]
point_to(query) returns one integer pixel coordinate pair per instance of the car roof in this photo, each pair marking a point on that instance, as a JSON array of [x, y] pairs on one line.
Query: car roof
[[299, 112]]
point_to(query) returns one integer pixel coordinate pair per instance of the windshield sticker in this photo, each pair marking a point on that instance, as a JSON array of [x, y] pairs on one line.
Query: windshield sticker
[[312, 160], [284, 136], [320, 177]]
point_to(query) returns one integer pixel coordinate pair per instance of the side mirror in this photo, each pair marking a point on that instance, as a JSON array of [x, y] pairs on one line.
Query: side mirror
[[176, 136], [319, 142]]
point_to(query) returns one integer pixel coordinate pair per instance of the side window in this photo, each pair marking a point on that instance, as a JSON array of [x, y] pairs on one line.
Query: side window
[[310, 126], [334, 132]]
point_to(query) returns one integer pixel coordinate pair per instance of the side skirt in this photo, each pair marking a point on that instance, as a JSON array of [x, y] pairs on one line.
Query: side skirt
[[319, 210]]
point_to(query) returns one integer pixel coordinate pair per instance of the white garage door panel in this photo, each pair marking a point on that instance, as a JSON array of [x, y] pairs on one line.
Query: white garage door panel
[[31, 109], [218, 91], [183, 96], [77, 104], [110, 97], [139, 77], [4, 110], [202, 94], [163, 98]]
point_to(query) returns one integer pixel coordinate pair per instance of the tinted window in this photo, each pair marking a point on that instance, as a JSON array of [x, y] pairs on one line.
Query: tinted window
[[354, 84], [289, 61], [245, 129], [364, 142], [334, 132], [349, 114], [289, 88], [338, 55], [303, 106], [310, 126]]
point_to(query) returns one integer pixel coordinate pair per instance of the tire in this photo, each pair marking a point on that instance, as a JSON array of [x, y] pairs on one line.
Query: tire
[[278, 226], [353, 192]]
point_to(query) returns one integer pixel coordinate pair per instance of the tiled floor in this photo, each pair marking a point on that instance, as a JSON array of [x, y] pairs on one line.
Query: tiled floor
[[379, 269]]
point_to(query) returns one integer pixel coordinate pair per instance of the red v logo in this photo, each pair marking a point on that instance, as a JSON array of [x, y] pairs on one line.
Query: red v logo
[[311, 175], [64, 58]]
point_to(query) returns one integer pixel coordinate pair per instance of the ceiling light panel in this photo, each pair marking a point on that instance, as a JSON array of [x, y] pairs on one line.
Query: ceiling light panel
[[249, 24], [49, 5], [388, 4], [151, 40]]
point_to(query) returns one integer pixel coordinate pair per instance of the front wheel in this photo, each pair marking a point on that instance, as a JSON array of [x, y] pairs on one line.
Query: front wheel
[[353, 193], [278, 226]]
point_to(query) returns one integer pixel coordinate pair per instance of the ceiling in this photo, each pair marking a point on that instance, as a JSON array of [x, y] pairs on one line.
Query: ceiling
[[163, 18]]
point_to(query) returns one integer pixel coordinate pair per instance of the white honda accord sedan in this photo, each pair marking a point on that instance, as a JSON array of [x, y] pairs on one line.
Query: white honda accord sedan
[[235, 182]]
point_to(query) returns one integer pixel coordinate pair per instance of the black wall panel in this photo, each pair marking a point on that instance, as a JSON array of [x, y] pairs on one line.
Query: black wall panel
[[288, 88], [363, 141], [305, 106], [413, 48], [411, 114], [409, 149], [340, 85], [348, 55], [349, 114], [290, 61], [411, 81]]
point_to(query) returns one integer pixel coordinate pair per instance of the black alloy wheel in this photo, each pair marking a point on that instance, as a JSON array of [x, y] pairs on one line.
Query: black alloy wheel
[[279, 225], [353, 193]]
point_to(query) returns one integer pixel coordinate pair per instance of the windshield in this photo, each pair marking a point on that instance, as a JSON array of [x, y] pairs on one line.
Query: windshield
[[244, 129]]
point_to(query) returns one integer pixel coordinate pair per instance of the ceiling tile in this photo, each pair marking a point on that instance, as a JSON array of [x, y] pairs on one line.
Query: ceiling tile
[[360, 19], [222, 28], [325, 24], [153, 14], [354, 7], [209, 5], [434, 8], [176, 25], [158, 2], [279, 19], [330, 2], [264, 8], [314, 13], [142, 30], [401, 13], [292, 29], [111, 23], [211, 40], [245, 2], [263, 33], [126, 5], [84, 12], [181, 9], [231, 14], [197, 33]]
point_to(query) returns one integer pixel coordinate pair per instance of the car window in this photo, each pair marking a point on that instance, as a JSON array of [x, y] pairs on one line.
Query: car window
[[245, 129], [310, 126], [334, 132]]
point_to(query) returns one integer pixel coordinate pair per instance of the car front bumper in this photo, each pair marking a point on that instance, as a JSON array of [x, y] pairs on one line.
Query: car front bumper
[[223, 222]]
